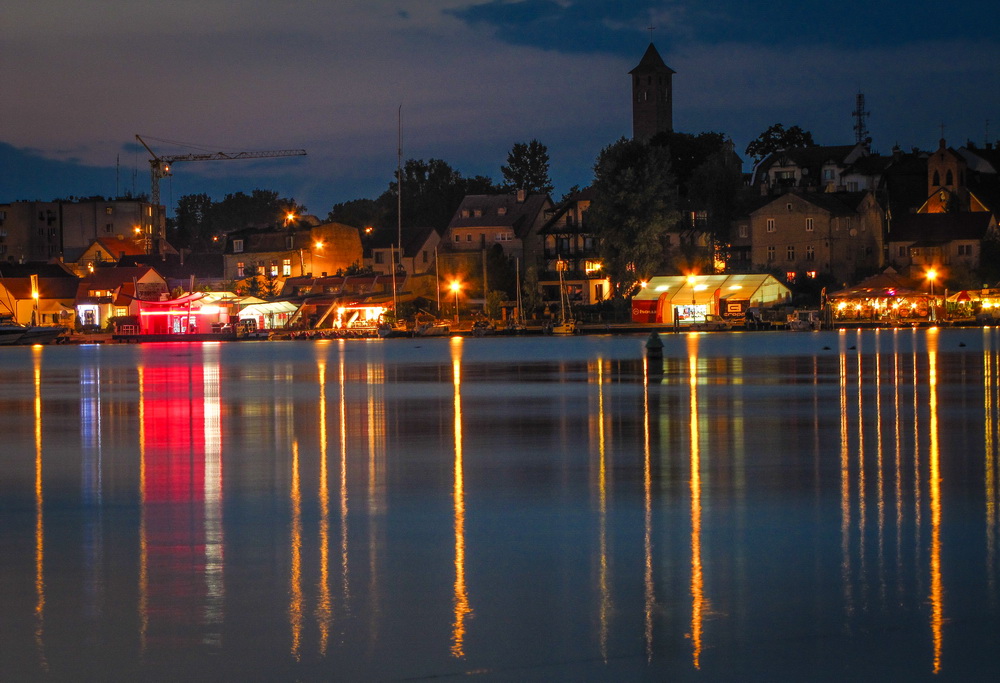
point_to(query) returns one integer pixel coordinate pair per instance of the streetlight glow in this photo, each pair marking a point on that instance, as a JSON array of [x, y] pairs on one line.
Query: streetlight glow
[[456, 286]]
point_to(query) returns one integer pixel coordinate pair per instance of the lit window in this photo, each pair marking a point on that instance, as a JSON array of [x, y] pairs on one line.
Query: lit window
[[477, 213], [743, 231], [240, 269], [286, 267], [502, 211], [790, 276], [108, 210], [811, 274], [237, 246], [274, 269]]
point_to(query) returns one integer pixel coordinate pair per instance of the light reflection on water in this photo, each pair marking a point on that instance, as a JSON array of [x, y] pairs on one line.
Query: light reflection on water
[[771, 505]]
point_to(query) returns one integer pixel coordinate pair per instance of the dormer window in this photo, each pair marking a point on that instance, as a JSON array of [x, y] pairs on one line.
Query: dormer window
[[478, 213], [502, 211], [237, 246], [465, 213]]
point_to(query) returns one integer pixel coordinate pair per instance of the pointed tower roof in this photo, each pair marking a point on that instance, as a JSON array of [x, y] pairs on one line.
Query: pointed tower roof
[[651, 62]]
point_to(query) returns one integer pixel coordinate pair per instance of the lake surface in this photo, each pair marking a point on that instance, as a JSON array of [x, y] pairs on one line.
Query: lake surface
[[757, 506]]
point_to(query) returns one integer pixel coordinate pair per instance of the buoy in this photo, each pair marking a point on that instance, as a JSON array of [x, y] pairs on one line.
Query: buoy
[[654, 352]]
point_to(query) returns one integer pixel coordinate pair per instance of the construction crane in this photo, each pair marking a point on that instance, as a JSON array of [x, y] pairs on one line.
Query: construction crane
[[159, 166]]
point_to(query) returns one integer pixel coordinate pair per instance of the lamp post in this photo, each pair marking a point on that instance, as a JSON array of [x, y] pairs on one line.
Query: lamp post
[[455, 287], [691, 281], [931, 276]]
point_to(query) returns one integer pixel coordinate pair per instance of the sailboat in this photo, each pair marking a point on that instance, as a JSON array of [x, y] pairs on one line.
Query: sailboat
[[566, 325]]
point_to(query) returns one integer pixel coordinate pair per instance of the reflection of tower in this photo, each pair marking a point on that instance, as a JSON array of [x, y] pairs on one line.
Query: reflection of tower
[[652, 96]]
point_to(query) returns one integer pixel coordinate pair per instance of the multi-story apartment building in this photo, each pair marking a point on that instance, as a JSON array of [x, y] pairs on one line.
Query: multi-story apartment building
[[809, 233]]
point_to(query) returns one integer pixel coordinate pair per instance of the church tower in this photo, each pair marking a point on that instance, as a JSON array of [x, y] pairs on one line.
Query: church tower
[[652, 96]]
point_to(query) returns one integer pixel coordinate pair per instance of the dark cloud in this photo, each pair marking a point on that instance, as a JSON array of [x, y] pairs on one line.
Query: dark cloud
[[573, 27], [587, 26]]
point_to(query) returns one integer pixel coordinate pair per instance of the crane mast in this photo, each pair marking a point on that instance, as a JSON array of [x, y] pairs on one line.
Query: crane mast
[[159, 166]]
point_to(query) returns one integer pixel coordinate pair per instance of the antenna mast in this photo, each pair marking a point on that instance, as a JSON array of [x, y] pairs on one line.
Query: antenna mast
[[861, 135]]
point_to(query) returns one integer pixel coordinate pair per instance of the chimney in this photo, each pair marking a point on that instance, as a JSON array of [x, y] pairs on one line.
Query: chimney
[[520, 195]]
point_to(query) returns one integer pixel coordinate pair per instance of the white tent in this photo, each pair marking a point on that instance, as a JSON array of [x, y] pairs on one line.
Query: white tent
[[689, 298]]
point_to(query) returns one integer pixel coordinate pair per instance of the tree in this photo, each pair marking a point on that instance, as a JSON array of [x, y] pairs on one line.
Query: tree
[[360, 213], [777, 138], [501, 271], [634, 204], [193, 221], [527, 168], [531, 294], [688, 152]]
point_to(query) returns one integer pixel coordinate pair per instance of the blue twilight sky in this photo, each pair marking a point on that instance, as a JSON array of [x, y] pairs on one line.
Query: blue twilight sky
[[81, 78]]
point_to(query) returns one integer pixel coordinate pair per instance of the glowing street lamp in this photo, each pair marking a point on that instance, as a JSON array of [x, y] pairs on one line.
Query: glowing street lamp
[[691, 280], [289, 217], [931, 277], [456, 286]]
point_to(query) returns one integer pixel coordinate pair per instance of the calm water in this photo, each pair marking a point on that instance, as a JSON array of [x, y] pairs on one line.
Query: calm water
[[769, 506]]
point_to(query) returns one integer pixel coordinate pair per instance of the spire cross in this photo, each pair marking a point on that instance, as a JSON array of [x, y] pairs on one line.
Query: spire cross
[[651, 29]]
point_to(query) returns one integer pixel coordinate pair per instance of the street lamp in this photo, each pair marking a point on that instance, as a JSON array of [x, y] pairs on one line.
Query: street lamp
[[691, 281], [455, 287], [931, 276]]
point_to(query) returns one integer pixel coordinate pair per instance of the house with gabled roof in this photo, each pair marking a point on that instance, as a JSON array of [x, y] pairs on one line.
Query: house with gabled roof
[[511, 220], [105, 250], [820, 168], [416, 256], [112, 292]]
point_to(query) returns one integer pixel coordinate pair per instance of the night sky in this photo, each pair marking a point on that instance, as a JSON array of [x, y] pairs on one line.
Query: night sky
[[80, 79]]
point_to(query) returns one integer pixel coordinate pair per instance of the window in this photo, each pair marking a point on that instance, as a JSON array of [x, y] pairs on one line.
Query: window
[[286, 267], [852, 186], [109, 227], [458, 237], [827, 174], [240, 269], [770, 225], [380, 257], [965, 250], [790, 277], [108, 210], [901, 252], [790, 252], [465, 213], [770, 253], [743, 231], [468, 237], [502, 211], [949, 179], [237, 246], [810, 225], [847, 223], [937, 178], [424, 255], [290, 242], [274, 269], [789, 207], [477, 213], [811, 274], [810, 253]]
